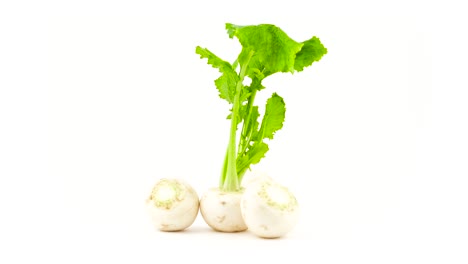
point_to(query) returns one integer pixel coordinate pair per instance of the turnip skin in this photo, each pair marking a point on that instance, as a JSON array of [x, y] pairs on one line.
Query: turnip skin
[[173, 205], [269, 209], [221, 210]]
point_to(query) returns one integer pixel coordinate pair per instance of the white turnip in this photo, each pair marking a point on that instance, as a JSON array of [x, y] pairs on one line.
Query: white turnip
[[269, 209], [173, 205], [221, 210]]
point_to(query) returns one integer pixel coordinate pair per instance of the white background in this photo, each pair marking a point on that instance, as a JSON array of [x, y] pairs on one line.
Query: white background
[[99, 100]]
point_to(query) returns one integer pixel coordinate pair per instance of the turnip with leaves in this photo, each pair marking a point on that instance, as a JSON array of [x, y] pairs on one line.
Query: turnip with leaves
[[266, 50]]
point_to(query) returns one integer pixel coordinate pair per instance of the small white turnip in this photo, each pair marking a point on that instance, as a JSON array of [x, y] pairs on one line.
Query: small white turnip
[[221, 210], [173, 205], [269, 209]]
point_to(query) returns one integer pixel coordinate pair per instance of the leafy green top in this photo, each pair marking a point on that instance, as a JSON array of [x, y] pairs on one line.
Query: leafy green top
[[266, 50]]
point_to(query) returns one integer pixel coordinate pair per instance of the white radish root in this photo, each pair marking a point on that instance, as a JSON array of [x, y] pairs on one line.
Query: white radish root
[[173, 205], [221, 210]]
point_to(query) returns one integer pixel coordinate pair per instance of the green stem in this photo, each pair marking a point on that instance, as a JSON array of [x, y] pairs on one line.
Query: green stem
[[223, 172], [231, 182], [241, 174], [246, 135]]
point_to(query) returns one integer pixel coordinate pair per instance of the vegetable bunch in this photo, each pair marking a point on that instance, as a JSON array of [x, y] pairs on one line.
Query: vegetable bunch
[[265, 207]]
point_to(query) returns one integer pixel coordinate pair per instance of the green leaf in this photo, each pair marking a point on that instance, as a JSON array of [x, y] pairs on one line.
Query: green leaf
[[256, 84], [253, 156], [226, 84], [232, 29], [242, 112], [245, 94], [253, 122], [273, 50], [274, 117], [272, 121], [313, 50]]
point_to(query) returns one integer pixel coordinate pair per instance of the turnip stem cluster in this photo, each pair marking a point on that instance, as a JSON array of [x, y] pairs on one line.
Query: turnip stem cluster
[[231, 181]]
